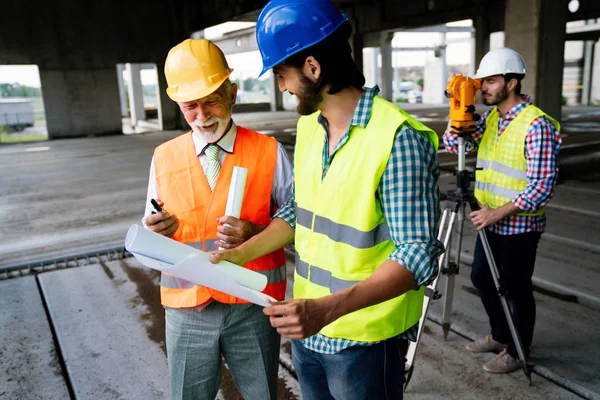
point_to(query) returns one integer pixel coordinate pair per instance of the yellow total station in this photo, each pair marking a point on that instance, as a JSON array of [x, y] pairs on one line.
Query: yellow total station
[[461, 93]]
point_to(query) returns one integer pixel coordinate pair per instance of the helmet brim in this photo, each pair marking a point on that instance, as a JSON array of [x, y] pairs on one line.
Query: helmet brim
[[195, 90]]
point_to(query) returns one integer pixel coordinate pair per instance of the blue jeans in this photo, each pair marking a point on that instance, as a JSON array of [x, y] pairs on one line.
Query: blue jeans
[[196, 339], [356, 373]]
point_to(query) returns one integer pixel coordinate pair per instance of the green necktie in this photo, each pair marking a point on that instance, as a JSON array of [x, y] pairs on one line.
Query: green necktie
[[213, 167]]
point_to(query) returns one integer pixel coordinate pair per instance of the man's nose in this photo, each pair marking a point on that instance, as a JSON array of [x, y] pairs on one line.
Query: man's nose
[[202, 112], [281, 85]]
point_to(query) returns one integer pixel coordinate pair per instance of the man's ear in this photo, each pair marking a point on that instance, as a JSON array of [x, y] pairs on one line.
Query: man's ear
[[511, 85], [234, 90], [312, 68]]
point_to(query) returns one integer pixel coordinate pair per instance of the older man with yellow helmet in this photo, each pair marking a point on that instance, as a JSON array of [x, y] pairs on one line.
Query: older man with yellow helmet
[[190, 176]]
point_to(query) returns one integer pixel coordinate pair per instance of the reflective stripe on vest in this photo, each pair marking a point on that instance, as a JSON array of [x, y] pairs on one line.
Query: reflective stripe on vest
[[497, 190], [502, 168], [184, 189], [502, 159], [322, 277], [341, 233]]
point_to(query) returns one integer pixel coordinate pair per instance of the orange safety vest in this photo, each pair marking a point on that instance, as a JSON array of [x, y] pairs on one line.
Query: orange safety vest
[[183, 188]]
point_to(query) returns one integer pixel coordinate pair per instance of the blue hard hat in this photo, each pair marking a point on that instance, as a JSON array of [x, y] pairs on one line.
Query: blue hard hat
[[286, 27]]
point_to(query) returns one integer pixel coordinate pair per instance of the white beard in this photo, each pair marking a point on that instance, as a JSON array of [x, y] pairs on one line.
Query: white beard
[[207, 136]]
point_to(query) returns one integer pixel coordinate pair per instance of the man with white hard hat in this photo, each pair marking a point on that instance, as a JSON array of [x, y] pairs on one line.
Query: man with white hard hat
[[518, 144]]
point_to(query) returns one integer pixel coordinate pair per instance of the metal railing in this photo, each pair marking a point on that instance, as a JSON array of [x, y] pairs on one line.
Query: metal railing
[[33, 267]]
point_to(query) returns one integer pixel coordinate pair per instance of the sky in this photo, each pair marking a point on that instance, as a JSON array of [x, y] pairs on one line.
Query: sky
[[26, 75]]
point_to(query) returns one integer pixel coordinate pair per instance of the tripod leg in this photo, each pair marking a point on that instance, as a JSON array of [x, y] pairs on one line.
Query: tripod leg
[[444, 234], [451, 270], [448, 292], [496, 276]]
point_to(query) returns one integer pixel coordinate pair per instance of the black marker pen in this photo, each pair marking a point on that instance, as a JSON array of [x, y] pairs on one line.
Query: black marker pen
[[157, 207]]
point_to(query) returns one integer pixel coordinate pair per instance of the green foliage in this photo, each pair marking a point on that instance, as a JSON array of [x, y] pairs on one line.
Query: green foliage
[[16, 90], [6, 137], [149, 90]]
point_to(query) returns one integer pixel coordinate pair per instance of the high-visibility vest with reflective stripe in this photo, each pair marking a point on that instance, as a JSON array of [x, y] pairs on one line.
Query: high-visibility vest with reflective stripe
[[503, 173], [183, 187], [341, 233]]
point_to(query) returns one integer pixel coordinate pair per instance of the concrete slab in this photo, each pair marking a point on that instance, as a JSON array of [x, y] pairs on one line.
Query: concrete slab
[[107, 337], [569, 348], [29, 365], [444, 369]]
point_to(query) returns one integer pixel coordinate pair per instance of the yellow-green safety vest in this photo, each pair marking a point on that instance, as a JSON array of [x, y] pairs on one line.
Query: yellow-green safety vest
[[503, 173], [341, 233]]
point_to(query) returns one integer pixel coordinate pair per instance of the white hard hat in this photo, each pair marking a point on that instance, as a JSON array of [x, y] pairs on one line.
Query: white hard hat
[[499, 62]]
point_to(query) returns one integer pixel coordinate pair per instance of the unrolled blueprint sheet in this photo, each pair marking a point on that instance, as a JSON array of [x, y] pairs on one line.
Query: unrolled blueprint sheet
[[163, 254]]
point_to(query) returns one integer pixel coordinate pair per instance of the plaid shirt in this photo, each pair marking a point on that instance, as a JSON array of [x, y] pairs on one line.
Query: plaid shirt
[[410, 201], [542, 145]]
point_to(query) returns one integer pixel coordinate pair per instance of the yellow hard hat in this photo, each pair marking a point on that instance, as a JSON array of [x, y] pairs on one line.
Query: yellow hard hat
[[194, 69]]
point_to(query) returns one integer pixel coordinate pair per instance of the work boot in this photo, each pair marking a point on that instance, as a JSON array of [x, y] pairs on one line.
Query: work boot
[[502, 364], [486, 344]]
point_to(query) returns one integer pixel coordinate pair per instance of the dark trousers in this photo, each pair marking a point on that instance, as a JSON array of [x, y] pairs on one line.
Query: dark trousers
[[515, 259]]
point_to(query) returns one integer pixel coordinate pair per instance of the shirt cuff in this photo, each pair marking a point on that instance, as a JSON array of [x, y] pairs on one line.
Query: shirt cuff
[[420, 259], [287, 214], [522, 201]]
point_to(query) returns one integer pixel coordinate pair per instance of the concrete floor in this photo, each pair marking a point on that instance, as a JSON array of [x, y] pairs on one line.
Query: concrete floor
[[68, 196]]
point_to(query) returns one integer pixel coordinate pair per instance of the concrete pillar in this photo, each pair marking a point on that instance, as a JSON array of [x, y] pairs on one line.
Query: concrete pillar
[[357, 44], [443, 57], [80, 102], [276, 95], [595, 89], [588, 59], [136, 94], [482, 39], [122, 91], [168, 110], [397, 80], [386, 65], [481, 47], [537, 30]]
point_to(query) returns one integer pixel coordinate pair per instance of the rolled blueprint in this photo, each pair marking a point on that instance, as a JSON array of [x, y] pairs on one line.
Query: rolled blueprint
[[168, 252], [236, 193], [201, 272]]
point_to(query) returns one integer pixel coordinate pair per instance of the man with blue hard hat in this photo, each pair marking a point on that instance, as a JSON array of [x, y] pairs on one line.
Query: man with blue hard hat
[[363, 214]]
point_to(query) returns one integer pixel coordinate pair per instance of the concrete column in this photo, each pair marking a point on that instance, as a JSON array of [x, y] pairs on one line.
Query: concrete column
[[136, 94], [397, 79], [168, 110], [482, 39], [386, 65], [481, 47], [276, 95], [444, 64], [80, 102], [356, 43], [122, 90], [588, 59], [537, 30]]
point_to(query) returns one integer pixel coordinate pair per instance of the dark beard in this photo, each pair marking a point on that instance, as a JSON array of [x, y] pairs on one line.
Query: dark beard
[[308, 98], [498, 98]]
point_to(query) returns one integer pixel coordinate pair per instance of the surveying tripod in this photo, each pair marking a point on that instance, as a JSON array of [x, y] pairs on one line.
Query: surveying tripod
[[454, 213]]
